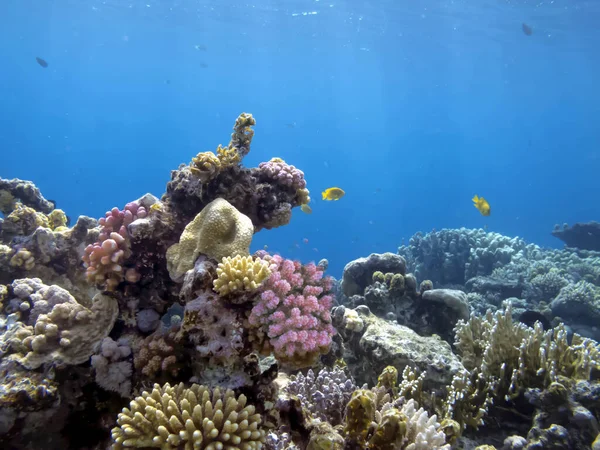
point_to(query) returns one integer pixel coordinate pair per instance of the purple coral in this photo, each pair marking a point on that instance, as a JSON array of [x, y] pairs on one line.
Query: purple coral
[[293, 311], [277, 169], [104, 259], [324, 395]]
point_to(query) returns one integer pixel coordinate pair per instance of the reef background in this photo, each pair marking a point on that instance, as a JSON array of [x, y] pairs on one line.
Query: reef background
[[411, 109]]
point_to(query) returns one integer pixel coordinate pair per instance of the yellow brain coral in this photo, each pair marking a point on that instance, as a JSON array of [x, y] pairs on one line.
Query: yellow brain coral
[[181, 418], [240, 273], [219, 230]]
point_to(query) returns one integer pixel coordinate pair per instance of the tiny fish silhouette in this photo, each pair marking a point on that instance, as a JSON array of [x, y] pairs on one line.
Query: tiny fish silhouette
[[41, 62], [527, 29], [203, 65]]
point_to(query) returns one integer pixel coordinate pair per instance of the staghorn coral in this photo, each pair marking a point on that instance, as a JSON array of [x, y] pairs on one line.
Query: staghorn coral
[[218, 231], [240, 274], [293, 311], [188, 418]]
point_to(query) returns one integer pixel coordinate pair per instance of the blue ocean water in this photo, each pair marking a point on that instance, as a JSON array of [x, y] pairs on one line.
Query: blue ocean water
[[410, 107]]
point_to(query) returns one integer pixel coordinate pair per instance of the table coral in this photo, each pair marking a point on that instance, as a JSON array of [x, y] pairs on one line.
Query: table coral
[[218, 231], [293, 311], [177, 417]]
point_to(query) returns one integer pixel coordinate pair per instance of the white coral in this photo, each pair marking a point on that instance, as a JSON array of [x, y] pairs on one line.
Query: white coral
[[113, 371], [422, 431]]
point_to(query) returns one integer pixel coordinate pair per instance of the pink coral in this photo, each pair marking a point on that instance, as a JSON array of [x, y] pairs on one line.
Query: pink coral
[[104, 258], [277, 169], [294, 311]]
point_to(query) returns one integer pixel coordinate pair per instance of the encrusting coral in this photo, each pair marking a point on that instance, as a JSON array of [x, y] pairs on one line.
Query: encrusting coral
[[189, 418], [60, 330]]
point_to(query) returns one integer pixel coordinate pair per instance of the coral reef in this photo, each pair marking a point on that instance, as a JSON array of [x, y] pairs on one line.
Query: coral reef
[[158, 310]]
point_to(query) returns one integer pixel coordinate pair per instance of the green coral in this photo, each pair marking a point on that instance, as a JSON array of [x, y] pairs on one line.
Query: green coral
[[360, 412], [57, 220], [388, 379]]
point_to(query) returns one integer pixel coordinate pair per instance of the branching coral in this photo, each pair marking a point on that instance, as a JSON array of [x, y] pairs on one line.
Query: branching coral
[[391, 426], [325, 395], [503, 358], [104, 260], [294, 311], [235, 274], [177, 417]]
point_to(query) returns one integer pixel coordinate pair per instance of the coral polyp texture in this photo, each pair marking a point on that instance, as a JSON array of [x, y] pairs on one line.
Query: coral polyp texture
[[293, 312], [218, 231], [189, 418]]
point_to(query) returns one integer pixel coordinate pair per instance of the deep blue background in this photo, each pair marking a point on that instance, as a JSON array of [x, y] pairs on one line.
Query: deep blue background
[[411, 107]]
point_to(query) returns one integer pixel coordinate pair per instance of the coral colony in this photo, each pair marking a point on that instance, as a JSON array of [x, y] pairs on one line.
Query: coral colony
[[154, 327]]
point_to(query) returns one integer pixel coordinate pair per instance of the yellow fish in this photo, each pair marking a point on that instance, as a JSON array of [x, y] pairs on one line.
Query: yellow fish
[[333, 193], [482, 205], [306, 209]]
